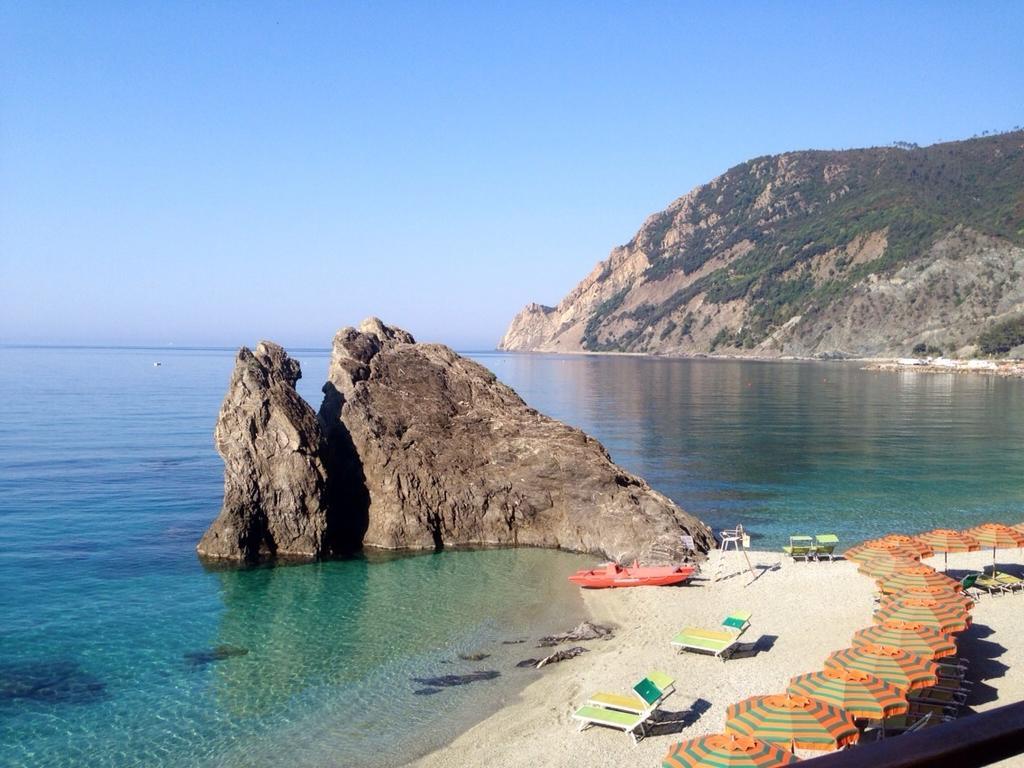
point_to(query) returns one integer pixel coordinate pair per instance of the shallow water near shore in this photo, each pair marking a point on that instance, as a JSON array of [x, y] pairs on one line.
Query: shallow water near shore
[[118, 649]]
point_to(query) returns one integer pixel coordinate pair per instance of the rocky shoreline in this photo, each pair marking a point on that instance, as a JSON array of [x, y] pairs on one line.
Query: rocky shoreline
[[998, 367], [1005, 368]]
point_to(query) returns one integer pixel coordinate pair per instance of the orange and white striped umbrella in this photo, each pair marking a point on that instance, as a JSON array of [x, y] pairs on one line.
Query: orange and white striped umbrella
[[913, 542], [910, 636], [907, 671], [916, 576], [942, 616], [875, 547]]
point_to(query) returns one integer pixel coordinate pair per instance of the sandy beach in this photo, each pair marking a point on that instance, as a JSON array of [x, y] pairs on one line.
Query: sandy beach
[[801, 613]]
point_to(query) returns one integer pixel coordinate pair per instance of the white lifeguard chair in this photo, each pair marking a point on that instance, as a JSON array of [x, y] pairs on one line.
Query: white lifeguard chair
[[736, 540]]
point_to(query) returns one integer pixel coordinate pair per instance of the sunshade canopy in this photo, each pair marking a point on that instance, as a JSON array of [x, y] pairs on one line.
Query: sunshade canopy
[[726, 750], [860, 694], [792, 720]]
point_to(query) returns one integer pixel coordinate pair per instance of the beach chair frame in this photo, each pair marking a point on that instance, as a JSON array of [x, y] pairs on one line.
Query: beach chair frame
[[719, 643], [800, 547]]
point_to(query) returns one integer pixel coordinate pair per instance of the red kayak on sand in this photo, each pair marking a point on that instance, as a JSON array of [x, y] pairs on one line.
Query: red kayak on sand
[[615, 575]]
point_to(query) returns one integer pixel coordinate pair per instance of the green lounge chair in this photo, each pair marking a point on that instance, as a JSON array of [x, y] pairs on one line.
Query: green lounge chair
[[717, 642], [1009, 581], [825, 544], [648, 694], [897, 724], [800, 546], [969, 588], [991, 585], [628, 722], [945, 696]]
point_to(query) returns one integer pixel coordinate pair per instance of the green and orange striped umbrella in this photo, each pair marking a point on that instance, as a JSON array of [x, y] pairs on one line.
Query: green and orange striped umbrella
[[860, 694], [943, 616], [916, 576], [881, 566], [922, 548], [907, 671], [797, 721], [946, 540], [875, 547], [938, 593], [997, 536], [726, 750], [916, 638]]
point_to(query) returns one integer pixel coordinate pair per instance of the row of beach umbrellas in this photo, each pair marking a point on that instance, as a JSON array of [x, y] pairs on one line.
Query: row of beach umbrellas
[[913, 627]]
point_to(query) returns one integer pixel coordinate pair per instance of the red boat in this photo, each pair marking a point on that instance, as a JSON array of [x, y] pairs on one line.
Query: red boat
[[615, 575]]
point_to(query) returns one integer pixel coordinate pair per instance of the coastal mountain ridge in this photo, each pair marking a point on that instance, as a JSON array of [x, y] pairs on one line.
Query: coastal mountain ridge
[[849, 253]]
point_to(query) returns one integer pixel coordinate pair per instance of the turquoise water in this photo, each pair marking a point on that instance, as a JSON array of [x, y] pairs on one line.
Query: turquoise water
[[108, 477], [109, 623]]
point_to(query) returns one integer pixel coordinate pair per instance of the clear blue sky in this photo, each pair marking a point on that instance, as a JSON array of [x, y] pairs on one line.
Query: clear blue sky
[[220, 172]]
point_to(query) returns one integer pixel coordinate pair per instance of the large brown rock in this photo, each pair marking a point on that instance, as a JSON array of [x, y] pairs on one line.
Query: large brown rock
[[444, 454], [275, 480]]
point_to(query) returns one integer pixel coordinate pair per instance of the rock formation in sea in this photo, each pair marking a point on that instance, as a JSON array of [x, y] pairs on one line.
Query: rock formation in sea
[[886, 251], [275, 480], [417, 447], [450, 456]]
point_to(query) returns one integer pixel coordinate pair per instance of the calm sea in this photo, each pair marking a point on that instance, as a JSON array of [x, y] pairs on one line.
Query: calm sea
[[118, 649]]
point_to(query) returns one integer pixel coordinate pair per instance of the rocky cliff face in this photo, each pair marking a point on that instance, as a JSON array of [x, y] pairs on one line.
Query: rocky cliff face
[[860, 253], [275, 478], [417, 447], [451, 456]]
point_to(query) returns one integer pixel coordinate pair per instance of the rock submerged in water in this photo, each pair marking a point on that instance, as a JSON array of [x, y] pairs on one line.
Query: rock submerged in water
[[55, 682], [450, 681], [218, 653], [416, 447]]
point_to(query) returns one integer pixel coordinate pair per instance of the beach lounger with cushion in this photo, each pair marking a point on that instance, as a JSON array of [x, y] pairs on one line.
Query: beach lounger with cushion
[[800, 547], [628, 722], [648, 694], [908, 723], [717, 642], [936, 695], [1012, 583], [825, 546], [983, 581]]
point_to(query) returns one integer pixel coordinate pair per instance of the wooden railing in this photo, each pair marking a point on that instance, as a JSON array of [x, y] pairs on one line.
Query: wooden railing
[[968, 742]]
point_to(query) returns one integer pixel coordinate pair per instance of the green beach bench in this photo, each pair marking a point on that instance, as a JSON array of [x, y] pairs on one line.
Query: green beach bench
[[717, 642], [648, 694], [825, 544], [800, 546]]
